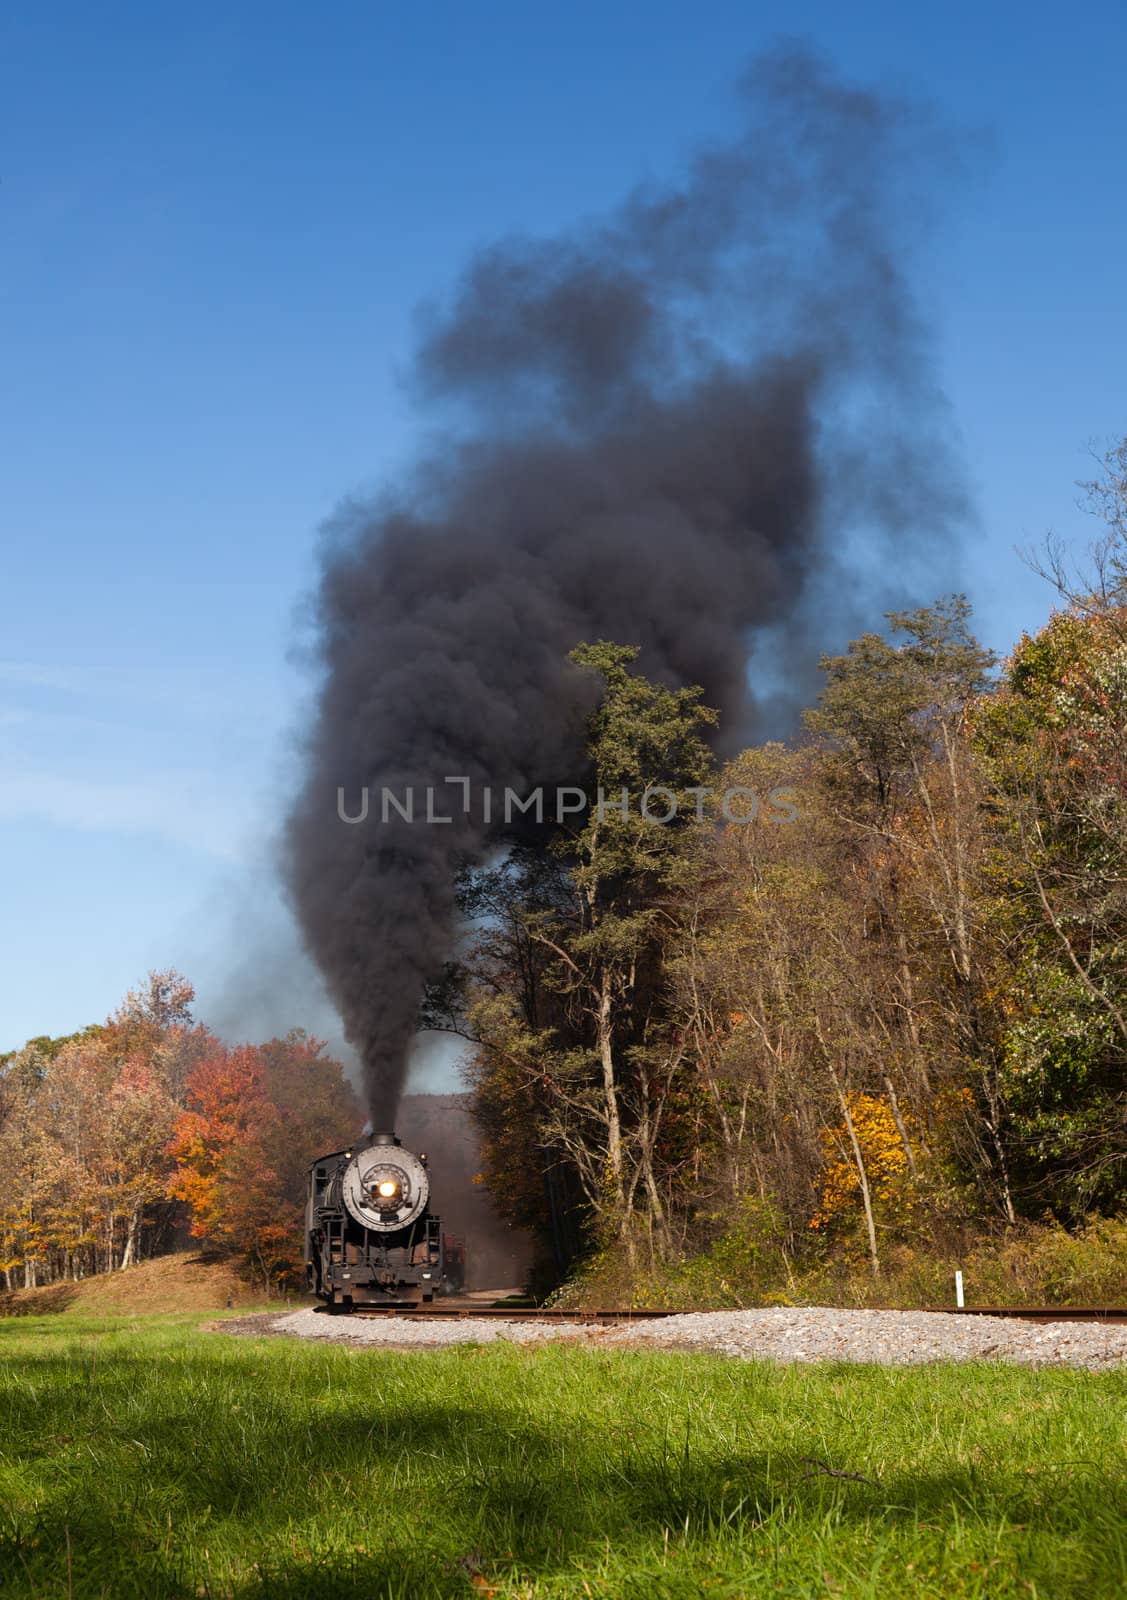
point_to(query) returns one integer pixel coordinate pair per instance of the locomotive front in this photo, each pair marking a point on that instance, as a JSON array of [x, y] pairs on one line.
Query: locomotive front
[[370, 1238]]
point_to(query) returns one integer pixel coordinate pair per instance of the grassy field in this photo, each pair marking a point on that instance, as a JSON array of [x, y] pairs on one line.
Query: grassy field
[[144, 1457]]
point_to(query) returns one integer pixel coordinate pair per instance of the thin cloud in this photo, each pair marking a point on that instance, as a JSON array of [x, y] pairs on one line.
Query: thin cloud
[[186, 808]]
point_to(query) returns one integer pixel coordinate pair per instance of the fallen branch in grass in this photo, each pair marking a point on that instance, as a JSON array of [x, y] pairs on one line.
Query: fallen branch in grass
[[823, 1468]]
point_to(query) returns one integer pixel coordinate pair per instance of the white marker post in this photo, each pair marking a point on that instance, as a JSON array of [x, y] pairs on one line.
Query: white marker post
[[959, 1301]]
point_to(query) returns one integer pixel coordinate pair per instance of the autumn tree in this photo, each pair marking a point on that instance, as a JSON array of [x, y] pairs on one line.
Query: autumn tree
[[255, 1117], [108, 1134], [1055, 739], [826, 975], [85, 1120], [742, 924], [908, 787]]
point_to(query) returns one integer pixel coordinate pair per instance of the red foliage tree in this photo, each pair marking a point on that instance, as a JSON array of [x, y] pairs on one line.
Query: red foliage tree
[[255, 1118]]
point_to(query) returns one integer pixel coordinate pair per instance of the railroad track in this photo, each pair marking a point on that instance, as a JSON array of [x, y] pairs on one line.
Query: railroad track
[[1109, 1315], [1112, 1315], [504, 1314]]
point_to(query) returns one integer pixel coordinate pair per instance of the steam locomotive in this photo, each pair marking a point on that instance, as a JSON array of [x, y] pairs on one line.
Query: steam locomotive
[[370, 1238]]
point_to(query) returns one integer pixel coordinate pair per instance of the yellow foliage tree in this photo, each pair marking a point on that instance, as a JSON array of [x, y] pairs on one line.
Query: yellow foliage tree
[[882, 1151]]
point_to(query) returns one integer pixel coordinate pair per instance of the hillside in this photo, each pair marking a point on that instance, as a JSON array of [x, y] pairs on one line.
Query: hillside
[[184, 1281]]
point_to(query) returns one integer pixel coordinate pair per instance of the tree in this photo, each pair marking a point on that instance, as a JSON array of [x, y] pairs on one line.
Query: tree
[[105, 1135], [85, 1119], [908, 783], [1055, 741], [603, 1058], [255, 1118], [503, 1001]]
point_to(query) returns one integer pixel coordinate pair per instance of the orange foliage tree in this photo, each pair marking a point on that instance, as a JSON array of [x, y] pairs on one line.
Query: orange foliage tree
[[108, 1135], [255, 1117]]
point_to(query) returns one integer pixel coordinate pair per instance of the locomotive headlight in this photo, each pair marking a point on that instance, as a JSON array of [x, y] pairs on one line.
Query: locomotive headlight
[[388, 1189]]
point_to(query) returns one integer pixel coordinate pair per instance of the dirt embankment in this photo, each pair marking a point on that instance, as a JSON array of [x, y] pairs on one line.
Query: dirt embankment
[[185, 1281]]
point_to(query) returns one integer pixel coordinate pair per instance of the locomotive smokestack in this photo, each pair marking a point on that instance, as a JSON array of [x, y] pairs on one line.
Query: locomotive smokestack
[[379, 1138], [662, 428]]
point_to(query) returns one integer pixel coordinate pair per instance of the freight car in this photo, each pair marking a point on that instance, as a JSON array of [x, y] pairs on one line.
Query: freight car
[[370, 1238]]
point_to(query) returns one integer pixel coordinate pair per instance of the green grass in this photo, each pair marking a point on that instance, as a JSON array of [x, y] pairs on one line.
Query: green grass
[[148, 1459]]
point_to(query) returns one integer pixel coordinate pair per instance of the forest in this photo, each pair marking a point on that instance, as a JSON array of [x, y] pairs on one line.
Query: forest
[[147, 1132], [874, 1030], [842, 1053]]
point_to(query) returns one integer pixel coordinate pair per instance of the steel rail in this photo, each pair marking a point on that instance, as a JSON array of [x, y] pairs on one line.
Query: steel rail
[[1109, 1315], [502, 1314], [1112, 1315]]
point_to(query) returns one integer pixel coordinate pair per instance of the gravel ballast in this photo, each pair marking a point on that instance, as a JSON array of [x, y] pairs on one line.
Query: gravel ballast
[[815, 1333]]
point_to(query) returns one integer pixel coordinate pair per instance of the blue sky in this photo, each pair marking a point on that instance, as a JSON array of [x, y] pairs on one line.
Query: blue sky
[[215, 225]]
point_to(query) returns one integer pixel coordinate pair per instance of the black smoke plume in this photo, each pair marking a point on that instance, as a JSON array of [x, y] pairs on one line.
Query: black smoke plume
[[658, 428]]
